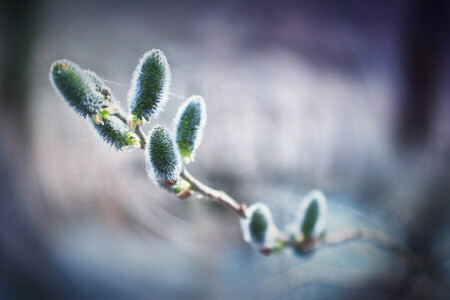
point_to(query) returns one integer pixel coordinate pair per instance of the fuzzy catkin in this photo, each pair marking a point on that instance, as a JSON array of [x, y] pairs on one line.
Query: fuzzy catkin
[[114, 132], [101, 86], [259, 229], [149, 89], [310, 219], [98, 82], [189, 124], [75, 87], [163, 162], [258, 225], [312, 214]]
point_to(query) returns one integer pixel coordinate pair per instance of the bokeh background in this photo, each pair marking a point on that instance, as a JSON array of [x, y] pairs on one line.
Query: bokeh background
[[350, 97]]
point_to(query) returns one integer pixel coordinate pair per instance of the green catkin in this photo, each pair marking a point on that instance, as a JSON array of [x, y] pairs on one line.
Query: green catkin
[[163, 162], [99, 83], [101, 87], [75, 87], [115, 132], [310, 219], [258, 228], [189, 123], [149, 89], [311, 216], [258, 225]]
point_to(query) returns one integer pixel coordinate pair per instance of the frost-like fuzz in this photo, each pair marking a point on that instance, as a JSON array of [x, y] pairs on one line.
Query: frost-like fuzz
[[311, 219], [150, 85], [95, 79], [189, 124], [100, 86], [162, 159], [115, 132], [258, 229], [75, 87]]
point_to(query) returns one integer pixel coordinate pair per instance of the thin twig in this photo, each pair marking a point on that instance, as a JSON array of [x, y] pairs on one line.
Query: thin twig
[[217, 196], [121, 117], [311, 274], [373, 236], [389, 280], [141, 135], [385, 241], [329, 276]]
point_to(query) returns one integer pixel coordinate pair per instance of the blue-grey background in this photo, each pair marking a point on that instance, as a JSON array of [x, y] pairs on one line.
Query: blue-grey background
[[349, 97]]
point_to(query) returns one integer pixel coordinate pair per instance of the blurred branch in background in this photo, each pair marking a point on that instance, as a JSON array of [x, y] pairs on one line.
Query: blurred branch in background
[[422, 53], [27, 269], [415, 263], [20, 27]]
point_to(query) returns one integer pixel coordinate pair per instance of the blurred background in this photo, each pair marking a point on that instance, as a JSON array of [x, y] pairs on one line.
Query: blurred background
[[350, 97]]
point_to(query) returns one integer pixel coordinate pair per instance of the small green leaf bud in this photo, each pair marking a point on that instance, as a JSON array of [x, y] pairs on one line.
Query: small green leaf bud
[[182, 188], [149, 89], [189, 123]]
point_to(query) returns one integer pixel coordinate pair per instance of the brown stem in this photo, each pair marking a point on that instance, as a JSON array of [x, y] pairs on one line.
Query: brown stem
[[217, 196]]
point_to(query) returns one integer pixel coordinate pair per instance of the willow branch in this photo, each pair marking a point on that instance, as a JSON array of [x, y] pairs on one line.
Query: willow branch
[[375, 237], [196, 185], [215, 195]]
